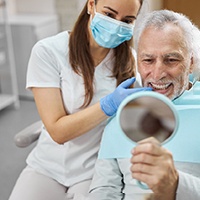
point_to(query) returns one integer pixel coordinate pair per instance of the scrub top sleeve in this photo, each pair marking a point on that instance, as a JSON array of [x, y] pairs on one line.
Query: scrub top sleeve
[[188, 187], [43, 70]]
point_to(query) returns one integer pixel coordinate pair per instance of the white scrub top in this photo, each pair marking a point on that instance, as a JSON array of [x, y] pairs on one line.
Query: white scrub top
[[49, 66]]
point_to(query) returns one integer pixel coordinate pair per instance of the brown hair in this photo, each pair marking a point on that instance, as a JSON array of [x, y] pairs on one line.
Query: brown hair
[[82, 61]]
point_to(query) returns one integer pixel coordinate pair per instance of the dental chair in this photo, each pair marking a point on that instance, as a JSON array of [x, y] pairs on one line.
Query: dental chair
[[28, 135]]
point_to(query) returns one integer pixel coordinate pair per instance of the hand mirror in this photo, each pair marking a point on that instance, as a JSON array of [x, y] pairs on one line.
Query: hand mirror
[[147, 114]]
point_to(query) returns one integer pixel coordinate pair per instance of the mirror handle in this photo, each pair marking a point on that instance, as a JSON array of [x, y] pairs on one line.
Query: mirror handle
[[142, 185]]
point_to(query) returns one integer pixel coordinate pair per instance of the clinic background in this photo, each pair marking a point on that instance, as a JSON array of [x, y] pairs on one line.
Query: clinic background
[[22, 24]]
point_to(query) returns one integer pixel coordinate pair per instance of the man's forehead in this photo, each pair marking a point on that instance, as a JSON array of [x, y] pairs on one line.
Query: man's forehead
[[167, 42], [167, 27], [165, 55], [167, 33]]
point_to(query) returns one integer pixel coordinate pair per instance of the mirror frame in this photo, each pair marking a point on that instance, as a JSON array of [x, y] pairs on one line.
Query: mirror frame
[[152, 94]]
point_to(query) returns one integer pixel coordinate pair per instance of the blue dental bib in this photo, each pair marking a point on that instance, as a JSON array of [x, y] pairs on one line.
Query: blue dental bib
[[185, 143]]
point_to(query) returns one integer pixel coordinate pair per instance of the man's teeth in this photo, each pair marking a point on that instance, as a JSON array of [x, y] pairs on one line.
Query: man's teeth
[[160, 87]]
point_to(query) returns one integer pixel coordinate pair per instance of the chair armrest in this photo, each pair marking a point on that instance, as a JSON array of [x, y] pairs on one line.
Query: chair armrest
[[28, 135]]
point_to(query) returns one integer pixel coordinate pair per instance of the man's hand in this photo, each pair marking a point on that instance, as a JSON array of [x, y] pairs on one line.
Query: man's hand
[[154, 165]]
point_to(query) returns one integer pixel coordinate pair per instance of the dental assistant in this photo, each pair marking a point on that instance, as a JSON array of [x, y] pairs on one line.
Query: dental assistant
[[78, 80]]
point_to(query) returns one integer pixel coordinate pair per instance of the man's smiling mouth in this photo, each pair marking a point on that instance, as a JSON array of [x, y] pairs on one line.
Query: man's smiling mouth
[[159, 86]]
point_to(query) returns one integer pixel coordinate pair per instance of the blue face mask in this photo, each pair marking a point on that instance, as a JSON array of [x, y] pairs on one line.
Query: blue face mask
[[109, 32]]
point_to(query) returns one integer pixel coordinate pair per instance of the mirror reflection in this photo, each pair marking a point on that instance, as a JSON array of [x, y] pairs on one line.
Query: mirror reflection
[[147, 116]]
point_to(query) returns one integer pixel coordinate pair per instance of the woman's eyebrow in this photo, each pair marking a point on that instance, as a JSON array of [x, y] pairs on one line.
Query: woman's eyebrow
[[134, 17], [111, 9]]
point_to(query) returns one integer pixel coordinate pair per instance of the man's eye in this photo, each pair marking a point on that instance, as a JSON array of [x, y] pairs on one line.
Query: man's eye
[[148, 61], [171, 60]]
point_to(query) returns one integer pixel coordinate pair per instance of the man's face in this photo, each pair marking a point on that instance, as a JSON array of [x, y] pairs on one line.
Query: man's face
[[164, 62]]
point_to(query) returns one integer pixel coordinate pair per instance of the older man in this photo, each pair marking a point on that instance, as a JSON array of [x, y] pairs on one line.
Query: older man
[[168, 51]]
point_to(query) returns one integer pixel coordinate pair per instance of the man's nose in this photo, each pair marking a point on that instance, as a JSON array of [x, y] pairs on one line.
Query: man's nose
[[159, 70]]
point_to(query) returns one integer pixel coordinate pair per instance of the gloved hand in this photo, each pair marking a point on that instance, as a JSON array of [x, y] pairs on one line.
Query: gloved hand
[[110, 103]]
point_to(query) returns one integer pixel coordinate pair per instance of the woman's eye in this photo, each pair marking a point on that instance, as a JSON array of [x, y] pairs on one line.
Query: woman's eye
[[109, 14], [128, 21]]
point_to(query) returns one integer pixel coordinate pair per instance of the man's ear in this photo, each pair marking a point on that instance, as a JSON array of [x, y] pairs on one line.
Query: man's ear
[[90, 6]]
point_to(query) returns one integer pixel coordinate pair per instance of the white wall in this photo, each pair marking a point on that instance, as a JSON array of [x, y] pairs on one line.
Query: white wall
[[31, 6], [11, 6], [67, 10], [81, 4]]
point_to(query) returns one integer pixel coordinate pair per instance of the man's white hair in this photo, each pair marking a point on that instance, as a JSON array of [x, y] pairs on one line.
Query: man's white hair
[[159, 19]]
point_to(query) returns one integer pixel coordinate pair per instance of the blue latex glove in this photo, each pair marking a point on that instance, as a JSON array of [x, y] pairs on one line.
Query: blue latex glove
[[110, 103]]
